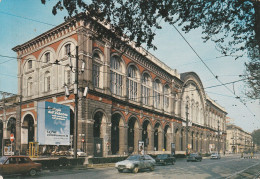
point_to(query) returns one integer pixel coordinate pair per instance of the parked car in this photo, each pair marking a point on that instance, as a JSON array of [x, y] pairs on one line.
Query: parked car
[[215, 156], [194, 157], [136, 162], [19, 165], [165, 159], [79, 153]]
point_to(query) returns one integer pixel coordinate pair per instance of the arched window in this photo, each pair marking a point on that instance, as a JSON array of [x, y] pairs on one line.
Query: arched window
[[146, 87], [29, 64], [157, 94], [192, 111], [132, 83], [47, 57], [197, 112], [29, 86], [67, 49], [116, 81], [47, 81], [96, 70], [68, 75], [166, 100]]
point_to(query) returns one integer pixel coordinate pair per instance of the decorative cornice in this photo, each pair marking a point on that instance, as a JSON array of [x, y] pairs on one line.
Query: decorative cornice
[[46, 38]]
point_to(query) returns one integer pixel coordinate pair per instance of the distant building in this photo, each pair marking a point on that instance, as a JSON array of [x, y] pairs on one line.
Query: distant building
[[230, 120], [238, 140], [132, 97]]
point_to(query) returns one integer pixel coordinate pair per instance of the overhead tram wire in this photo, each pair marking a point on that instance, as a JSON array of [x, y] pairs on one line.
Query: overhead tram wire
[[27, 18], [173, 26], [57, 63], [85, 40], [4, 56], [215, 76]]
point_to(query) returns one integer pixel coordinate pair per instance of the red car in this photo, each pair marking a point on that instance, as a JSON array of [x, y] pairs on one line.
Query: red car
[[18, 165]]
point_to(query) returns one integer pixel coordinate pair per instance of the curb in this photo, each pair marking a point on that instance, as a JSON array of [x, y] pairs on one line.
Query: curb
[[103, 165]]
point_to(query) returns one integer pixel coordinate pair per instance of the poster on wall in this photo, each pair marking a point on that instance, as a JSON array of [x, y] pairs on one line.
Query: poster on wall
[[173, 148], [53, 126], [141, 147], [24, 138]]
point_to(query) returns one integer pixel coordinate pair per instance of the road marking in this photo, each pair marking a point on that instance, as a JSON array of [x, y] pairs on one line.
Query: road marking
[[241, 170], [207, 164]]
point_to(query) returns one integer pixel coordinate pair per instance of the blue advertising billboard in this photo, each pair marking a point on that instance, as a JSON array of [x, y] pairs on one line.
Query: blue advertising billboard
[[53, 125]]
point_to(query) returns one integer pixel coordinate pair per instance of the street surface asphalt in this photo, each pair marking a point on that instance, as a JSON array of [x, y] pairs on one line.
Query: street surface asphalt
[[229, 166]]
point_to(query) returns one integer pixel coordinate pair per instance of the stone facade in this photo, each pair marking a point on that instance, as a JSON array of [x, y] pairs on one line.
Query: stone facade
[[132, 97], [238, 140]]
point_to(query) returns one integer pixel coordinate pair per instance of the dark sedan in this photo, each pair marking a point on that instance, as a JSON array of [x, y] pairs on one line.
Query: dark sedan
[[194, 157], [165, 159]]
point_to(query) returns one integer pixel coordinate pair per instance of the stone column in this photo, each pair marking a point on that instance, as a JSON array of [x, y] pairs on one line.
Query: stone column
[[151, 139], [89, 137], [177, 141], [169, 140], [183, 133], [123, 142], [124, 88], [104, 133], [88, 61], [106, 74], [160, 140], [137, 137], [189, 139], [207, 144]]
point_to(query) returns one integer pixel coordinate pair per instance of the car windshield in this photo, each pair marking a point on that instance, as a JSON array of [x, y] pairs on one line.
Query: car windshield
[[133, 157], [193, 155], [2, 160], [162, 156]]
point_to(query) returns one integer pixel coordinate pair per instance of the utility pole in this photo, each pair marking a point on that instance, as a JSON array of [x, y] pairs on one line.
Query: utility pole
[[187, 121], [4, 121], [233, 146], [76, 104], [218, 137]]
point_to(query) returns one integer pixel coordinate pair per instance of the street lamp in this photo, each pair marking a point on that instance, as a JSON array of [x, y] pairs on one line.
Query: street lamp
[[218, 136], [76, 71], [187, 114], [245, 144]]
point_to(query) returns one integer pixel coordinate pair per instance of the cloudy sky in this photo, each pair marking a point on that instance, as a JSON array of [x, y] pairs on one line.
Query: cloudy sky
[[23, 20]]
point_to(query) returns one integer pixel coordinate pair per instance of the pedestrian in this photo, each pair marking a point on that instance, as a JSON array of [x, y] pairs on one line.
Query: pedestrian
[[252, 154], [141, 150]]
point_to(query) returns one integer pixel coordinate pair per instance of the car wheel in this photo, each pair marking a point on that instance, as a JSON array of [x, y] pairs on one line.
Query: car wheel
[[152, 168], [136, 169], [120, 171], [32, 172]]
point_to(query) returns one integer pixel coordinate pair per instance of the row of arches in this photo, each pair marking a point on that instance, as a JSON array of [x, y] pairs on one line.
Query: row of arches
[[125, 135]]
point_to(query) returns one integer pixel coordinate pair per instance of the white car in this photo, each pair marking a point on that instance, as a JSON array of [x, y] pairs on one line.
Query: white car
[[136, 162], [79, 153], [215, 156]]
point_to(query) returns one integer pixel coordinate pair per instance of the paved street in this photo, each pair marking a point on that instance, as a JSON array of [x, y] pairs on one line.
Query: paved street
[[226, 167]]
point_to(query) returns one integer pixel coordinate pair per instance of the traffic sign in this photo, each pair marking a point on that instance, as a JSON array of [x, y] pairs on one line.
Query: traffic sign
[[12, 137], [82, 140]]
